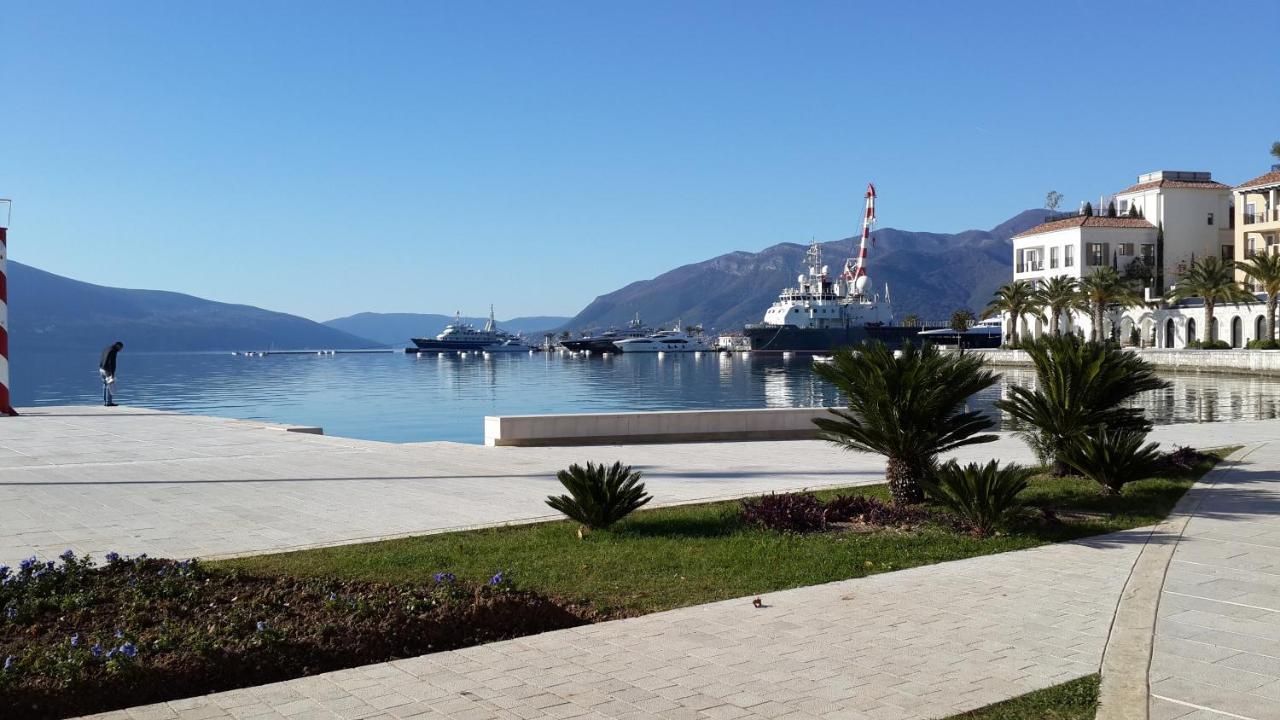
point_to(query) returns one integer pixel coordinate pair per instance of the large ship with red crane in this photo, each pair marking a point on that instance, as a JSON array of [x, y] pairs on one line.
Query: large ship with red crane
[[820, 313]]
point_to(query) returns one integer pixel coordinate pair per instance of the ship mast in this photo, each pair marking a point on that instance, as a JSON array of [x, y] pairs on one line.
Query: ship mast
[[857, 275]]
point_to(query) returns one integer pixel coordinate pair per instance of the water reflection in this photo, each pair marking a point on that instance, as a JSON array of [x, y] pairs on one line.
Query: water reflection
[[401, 398]]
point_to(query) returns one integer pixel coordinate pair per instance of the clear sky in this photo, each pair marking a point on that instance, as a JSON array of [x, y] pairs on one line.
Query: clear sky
[[325, 159]]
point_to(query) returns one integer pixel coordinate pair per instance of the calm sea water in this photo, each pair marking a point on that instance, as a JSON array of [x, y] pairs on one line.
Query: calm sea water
[[405, 398]]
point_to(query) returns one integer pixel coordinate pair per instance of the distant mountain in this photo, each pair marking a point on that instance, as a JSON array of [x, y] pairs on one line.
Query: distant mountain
[[49, 312], [397, 328], [929, 274]]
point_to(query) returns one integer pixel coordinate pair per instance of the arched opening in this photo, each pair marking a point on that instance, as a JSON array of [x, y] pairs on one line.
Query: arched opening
[[1148, 332], [1168, 333], [1260, 328], [1191, 331], [1128, 333], [1237, 332]]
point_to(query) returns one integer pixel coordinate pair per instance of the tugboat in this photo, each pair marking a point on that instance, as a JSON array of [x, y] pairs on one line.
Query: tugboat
[[604, 342], [463, 336], [821, 314]]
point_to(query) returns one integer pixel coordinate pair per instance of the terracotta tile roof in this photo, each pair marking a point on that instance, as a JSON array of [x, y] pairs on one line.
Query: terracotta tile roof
[[1092, 221], [1271, 178], [1207, 185]]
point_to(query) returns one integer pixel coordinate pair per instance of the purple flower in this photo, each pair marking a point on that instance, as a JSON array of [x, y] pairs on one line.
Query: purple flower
[[75, 640], [96, 650], [128, 650], [28, 563], [50, 565], [4, 571], [111, 653], [11, 613], [8, 662], [67, 556], [119, 634], [333, 596], [445, 577], [262, 625], [113, 557], [496, 579]]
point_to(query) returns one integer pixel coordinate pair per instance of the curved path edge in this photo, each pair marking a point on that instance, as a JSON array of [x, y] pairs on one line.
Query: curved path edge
[[1125, 692]]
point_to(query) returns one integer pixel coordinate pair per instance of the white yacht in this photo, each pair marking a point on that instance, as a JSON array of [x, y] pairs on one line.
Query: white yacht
[[664, 341]]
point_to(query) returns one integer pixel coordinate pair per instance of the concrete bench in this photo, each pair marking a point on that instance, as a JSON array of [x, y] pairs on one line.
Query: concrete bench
[[652, 427]]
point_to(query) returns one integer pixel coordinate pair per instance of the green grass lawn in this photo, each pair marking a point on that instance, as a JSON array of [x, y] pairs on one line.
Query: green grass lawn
[[673, 557], [1076, 700]]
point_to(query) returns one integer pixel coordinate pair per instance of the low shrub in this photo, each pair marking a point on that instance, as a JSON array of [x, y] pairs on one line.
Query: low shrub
[[873, 511], [1209, 345], [77, 638], [1183, 459], [1263, 345], [1113, 458], [786, 512], [983, 496], [599, 495]]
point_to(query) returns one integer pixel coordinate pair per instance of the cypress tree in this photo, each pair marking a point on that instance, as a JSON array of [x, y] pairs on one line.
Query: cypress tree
[[1111, 209], [1088, 209]]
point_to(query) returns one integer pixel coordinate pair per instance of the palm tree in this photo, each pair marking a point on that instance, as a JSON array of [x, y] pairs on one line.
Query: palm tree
[[1264, 269], [1016, 300], [1102, 289], [1059, 295], [1079, 387], [908, 408], [1213, 279]]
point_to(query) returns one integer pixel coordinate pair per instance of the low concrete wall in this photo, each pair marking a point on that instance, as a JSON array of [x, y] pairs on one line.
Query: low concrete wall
[[652, 427], [1240, 362]]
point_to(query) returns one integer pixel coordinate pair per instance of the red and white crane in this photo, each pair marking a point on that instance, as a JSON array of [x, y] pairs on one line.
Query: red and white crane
[[856, 275]]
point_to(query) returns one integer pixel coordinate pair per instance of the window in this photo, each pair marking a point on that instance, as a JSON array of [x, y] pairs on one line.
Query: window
[[1096, 253], [1210, 218], [1124, 207], [1126, 248], [1149, 251], [1053, 257], [1069, 256], [1228, 252]]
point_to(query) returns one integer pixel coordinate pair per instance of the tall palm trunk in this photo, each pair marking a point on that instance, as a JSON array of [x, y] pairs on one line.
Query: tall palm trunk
[[1271, 315], [1099, 314], [1208, 321], [1057, 320], [903, 476]]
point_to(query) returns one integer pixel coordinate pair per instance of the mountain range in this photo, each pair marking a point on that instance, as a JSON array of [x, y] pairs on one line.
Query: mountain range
[[395, 329], [49, 313], [929, 274]]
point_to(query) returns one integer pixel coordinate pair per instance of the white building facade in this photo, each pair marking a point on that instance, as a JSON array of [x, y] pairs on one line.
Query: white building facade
[[1162, 224]]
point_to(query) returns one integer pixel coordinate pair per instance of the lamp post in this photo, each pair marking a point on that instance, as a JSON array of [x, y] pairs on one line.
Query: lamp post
[[6, 406]]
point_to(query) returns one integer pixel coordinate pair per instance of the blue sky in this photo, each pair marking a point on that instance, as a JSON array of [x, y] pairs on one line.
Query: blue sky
[[324, 159]]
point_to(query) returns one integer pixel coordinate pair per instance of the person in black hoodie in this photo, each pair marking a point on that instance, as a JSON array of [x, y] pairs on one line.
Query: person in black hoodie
[[107, 369]]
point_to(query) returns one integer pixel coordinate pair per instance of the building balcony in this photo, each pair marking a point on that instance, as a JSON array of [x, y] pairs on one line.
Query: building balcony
[[1030, 266], [1265, 216]]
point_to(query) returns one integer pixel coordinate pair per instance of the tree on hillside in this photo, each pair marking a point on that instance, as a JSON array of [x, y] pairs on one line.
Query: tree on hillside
[[1214, 280], [911, 320], [1016, 299], [1052, 200], [1264, 270], [1103, 290], [962, 320]]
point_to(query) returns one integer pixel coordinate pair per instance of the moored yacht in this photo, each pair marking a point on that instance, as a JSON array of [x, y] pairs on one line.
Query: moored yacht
[[604, 342], [664, 341], [459, 335]]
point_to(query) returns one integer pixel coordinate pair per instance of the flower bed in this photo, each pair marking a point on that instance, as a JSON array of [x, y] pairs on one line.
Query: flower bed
[[75, 638]]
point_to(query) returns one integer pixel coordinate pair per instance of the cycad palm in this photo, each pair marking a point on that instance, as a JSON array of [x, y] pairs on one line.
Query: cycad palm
[[908, 408], [599, 495], [1102, 289], [1016, 299], [1214, 280], [1264, 269], [1079, 386], [1060, 294]]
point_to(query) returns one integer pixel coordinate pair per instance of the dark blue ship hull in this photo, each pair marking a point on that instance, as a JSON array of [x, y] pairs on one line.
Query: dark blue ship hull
[[790, 338]]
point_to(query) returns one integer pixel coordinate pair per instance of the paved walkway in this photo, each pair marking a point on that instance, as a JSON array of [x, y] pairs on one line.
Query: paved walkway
[[921, 643], [174, 485], [1217, 642]]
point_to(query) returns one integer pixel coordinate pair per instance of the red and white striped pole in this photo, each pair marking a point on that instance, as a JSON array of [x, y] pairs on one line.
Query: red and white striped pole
[[6, 406]]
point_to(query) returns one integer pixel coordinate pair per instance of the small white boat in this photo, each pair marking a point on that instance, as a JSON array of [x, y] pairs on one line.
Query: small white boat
[[664, 341], [822, 358]]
